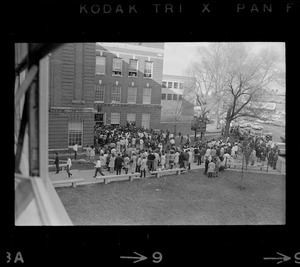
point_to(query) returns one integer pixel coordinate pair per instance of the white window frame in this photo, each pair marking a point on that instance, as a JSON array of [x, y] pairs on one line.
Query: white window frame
[[114, 65], [113, 93], [146, 121], [162, 96], [116, 117], [164, 82], [180, 85], [146, 75], [135, 70], [129, 99], [99, 87], [147, 98], [71, 144], [99, 72], [171, 84], [168, 97], [176, 86]]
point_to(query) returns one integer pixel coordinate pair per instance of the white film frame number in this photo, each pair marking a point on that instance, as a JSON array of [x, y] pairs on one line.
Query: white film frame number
[[157, 257], [297, 258]]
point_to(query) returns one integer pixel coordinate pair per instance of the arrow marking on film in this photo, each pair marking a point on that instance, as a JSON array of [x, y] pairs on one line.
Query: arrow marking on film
[[139, 258], [282, 258]]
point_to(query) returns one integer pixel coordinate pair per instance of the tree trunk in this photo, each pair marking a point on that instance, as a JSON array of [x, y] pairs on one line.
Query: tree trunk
[[227, 127]]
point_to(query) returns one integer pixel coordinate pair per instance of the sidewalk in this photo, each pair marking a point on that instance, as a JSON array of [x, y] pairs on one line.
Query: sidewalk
[[87, 175]]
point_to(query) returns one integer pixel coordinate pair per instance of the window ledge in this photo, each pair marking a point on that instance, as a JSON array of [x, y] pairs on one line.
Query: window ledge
[[102, 74], [78, 101]]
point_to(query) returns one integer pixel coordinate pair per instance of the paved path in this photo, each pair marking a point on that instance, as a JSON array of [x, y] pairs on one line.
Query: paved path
[[87, 175]]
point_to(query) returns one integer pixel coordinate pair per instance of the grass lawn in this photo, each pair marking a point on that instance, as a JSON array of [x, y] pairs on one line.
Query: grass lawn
[[188, 199]]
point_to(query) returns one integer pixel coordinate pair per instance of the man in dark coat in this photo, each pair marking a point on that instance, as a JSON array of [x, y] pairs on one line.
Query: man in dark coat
[[56, 162], [118, 163]]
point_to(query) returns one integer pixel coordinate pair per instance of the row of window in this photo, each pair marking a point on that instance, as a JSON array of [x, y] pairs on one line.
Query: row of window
[[174, 85], [171, 97], [117, 67], [116, 94], [75, 129]]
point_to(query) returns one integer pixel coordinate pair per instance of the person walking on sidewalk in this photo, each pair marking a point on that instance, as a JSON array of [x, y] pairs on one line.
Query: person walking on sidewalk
[[69, 164], [75, 148], [56, 162], [98, 168]]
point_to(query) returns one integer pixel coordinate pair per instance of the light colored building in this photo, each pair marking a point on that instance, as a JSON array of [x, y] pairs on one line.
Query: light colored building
[[177, 103]]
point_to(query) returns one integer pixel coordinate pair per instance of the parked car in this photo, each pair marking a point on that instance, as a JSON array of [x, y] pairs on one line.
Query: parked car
[[256, 126]]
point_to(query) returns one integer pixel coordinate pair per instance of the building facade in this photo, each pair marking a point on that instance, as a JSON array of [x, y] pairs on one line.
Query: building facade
[[177, 102], [102, 84]]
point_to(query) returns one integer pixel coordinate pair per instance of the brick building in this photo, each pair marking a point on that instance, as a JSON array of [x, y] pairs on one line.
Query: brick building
[[102, 83]]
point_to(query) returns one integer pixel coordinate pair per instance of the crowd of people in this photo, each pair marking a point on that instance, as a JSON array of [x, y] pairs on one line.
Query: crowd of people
[[140, 150]]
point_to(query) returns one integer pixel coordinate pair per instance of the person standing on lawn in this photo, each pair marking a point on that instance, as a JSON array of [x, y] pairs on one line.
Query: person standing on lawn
[[206, 165], [190, 160], [56, 162], [69, 164], [211, 169], [217, 167], [98, 168], [253, 157]]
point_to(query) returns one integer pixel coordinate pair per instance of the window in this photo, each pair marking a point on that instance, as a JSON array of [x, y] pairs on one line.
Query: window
[[100, 65], [169, 97], [116, 94], [131, 117], [75, 131], [180, 97], [131, 95], [170, 84], [164, 84], [99, 93], [146, 121], [175, 97], [99, 117], [175, 85], [148, 69], [180, 85], [163, 96], [147, 96], [117, 66], [115, 119], [133, 68]]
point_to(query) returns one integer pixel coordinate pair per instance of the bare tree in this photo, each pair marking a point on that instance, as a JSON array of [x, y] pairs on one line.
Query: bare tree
[[231, 79]]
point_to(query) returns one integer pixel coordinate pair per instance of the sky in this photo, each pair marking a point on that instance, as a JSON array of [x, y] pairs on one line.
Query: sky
[[178, 56]]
